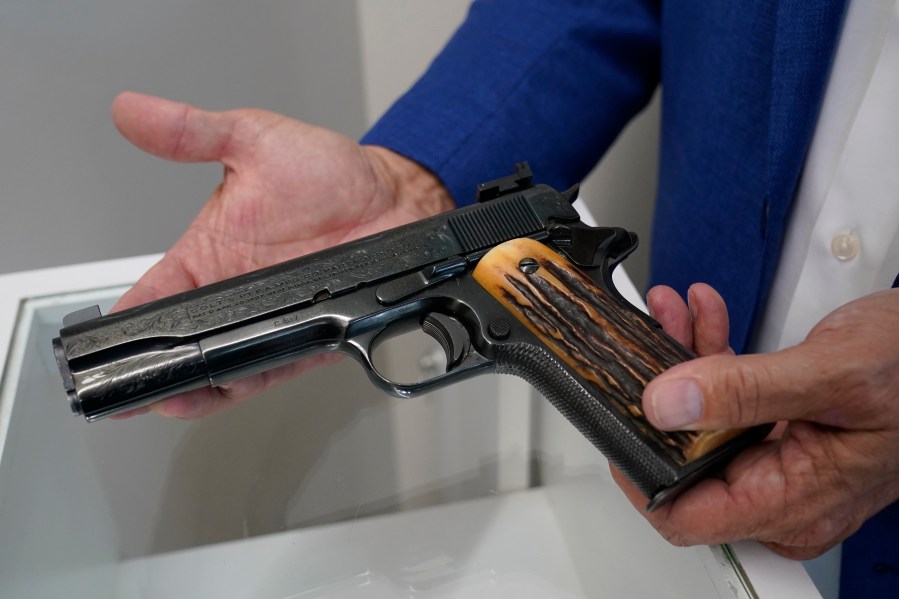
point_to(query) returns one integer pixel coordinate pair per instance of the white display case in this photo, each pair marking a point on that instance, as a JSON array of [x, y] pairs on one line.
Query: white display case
[[324, 488]]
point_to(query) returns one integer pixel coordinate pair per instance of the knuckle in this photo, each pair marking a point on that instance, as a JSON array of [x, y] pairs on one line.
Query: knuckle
[[742, 391], [674, 537]]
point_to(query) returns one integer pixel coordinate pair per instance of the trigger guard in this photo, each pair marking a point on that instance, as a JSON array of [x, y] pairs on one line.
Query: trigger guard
[[450, 334]]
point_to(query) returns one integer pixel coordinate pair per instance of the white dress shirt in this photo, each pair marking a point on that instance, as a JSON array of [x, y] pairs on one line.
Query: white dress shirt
[[841, 241]]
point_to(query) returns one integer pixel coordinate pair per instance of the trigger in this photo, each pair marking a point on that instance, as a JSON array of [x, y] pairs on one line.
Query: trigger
[[451, 336]]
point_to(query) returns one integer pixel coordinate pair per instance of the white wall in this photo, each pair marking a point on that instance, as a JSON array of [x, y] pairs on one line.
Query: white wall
[[621, 189], [398, 40]]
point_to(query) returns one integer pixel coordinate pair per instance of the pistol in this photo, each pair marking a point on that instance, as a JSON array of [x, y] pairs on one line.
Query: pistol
[[513, 284]]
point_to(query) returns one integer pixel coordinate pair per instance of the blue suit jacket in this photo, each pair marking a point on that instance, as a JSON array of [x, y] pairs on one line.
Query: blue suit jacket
[[555, 82]]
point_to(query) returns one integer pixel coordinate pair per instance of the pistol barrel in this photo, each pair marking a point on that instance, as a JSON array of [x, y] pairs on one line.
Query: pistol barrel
[[135, 380]]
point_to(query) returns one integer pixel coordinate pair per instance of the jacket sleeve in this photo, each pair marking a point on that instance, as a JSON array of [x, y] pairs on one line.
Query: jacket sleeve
[[552, 83]]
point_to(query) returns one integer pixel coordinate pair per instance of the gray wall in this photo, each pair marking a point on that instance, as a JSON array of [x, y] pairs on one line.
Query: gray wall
[[71, 189]]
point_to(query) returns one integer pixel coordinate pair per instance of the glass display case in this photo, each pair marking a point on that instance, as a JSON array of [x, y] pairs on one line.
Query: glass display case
[[323, 488]]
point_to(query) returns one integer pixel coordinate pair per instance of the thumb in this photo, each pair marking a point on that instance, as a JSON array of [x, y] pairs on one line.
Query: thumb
[[172, 130], [726, 391]]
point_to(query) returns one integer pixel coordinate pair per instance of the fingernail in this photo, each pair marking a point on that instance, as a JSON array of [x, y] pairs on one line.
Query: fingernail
[[691, 303], [676, 403]]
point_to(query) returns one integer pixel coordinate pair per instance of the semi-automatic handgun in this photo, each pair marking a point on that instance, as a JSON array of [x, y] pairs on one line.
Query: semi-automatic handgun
[[514, 284]]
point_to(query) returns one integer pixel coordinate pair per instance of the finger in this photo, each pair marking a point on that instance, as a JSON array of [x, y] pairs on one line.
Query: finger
[[688, 519], [195, 404], [173, 130], [710, 322], [668, 308], [631, 492], [741, 506], [130, 413], [714, 510], [726, 391], [204, 402]]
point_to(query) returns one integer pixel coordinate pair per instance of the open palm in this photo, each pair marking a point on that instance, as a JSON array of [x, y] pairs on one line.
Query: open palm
[[289, 188]]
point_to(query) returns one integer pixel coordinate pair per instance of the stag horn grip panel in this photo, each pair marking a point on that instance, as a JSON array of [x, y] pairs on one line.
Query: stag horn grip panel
[[614, 351]]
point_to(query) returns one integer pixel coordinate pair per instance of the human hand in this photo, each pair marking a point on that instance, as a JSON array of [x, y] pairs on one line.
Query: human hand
[[289, 189], [832, 462]]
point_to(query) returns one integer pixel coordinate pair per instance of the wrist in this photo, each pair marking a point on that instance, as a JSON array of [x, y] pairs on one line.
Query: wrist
[[413, 187]]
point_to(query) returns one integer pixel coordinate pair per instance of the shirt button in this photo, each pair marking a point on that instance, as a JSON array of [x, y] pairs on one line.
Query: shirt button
[[845, 246]]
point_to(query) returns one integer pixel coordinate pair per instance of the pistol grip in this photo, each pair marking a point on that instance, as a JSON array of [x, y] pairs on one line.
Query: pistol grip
[[595, 356]]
